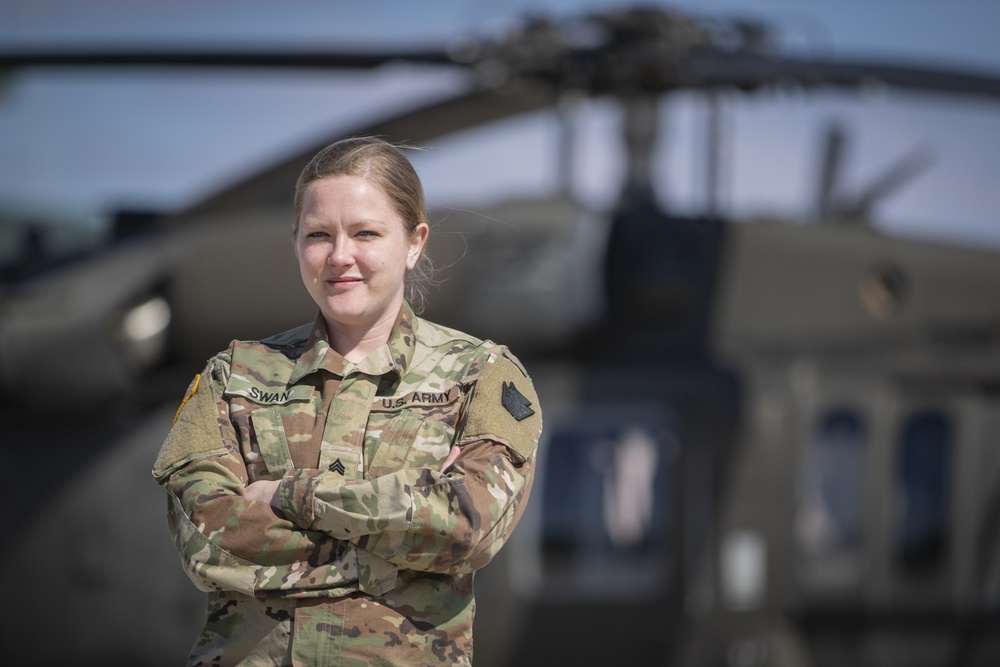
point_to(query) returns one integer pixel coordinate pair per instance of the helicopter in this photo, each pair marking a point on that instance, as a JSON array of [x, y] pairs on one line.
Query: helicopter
[[765, 444]]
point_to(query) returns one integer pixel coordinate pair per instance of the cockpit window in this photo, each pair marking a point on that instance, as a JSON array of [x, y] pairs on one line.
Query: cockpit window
[[830, 515], [923, 492], [609, 484], [32, 247]]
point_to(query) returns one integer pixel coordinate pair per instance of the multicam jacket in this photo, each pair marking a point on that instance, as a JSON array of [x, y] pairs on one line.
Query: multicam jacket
[[371, 559]]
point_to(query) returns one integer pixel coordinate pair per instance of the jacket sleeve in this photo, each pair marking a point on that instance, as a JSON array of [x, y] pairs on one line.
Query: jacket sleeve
[[225, 541], [422, 519]]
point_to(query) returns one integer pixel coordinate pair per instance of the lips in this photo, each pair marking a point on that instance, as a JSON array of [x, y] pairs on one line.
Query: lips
[[344, 281]]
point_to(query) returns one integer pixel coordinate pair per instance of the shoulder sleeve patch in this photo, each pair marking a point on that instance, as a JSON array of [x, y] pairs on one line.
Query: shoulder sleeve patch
[[195, 433], [504, 406], [191, 391]]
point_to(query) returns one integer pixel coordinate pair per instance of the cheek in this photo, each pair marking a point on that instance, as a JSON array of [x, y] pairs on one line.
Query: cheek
[[310, 256], [311, 265], [373, 259]]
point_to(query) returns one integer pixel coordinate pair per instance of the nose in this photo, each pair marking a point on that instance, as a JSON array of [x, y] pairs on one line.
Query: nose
[[340, 253]]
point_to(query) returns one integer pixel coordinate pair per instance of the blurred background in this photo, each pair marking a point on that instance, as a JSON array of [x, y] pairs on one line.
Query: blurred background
[[747, 250]]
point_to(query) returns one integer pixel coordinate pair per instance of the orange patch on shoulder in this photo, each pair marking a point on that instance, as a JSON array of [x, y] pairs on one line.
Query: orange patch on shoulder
[[191, 391]]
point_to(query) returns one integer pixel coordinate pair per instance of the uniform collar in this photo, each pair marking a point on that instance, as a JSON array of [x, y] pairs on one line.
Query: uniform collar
[[394, 356]]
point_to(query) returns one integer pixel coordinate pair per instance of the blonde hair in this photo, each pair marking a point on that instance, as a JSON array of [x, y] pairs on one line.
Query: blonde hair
[[384, 165]]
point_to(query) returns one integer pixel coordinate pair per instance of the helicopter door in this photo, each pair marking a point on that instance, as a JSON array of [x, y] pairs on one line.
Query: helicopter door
[[891, 522], [607, 502]]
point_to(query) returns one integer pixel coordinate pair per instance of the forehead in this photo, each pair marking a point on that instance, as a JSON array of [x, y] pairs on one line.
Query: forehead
[[347, 195]]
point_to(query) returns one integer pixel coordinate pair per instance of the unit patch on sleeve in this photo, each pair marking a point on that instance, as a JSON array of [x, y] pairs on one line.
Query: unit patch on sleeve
[[504, 407], [517, 405]]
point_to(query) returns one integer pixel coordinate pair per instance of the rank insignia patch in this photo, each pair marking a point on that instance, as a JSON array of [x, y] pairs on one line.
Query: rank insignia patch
[[517, 405]]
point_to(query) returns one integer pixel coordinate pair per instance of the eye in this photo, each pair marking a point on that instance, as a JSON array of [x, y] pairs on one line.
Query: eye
[[316, 235], [368, 233]]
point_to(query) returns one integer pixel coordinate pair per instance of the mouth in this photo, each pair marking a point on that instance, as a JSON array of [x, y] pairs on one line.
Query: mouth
[[343, 281]]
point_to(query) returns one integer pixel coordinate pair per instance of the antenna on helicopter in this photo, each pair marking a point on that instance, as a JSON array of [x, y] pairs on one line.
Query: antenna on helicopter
[[835, 205]]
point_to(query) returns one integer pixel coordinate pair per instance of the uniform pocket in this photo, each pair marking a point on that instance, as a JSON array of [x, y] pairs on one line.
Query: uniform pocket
[[271, 441], [406, 439]]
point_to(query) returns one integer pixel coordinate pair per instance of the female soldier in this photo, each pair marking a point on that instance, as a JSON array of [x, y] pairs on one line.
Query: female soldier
[[335, 487]]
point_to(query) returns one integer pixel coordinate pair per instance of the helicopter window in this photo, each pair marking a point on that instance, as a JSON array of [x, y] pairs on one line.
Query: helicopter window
[[31, 247], [607, 503], [830, 513], [923, 474]]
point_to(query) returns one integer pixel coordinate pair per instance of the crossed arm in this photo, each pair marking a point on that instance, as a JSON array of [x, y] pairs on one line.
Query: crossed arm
[[266, 490]]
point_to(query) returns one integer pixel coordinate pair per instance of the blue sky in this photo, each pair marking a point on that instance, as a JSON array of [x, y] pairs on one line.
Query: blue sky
[[80, 143]]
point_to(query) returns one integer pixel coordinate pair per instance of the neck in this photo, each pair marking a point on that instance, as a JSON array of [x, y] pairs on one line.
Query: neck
[[356, 343]]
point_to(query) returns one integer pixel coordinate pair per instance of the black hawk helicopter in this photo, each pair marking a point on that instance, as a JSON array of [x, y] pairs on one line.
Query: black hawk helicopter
[[765, 444]]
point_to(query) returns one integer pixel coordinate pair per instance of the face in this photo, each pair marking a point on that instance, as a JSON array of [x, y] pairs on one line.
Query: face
[[354, 251]]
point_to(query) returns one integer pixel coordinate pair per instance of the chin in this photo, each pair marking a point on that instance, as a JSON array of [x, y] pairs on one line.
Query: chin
[[355, 312], [349, 313]]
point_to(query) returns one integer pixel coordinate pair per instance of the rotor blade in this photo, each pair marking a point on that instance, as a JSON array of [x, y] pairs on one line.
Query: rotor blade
[[274, 185], [752, 71], [709, 68], [146, 57]]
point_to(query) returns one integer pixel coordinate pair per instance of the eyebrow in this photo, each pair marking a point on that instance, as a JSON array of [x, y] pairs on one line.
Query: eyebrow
[[312, 222]]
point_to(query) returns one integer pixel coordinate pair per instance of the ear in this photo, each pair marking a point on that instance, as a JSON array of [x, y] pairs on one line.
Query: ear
[[417, 241]]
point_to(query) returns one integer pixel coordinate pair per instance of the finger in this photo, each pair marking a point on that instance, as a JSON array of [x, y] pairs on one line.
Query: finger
[[261, 490], [452, 457]]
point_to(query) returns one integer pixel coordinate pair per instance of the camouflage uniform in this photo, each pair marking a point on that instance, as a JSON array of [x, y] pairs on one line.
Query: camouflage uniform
[[371, 560]]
